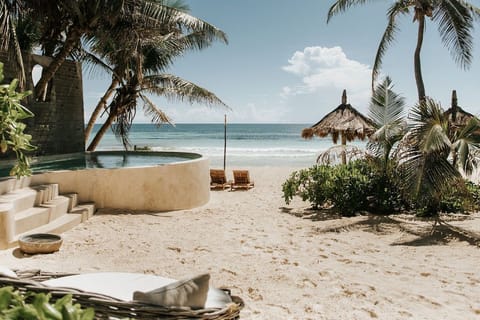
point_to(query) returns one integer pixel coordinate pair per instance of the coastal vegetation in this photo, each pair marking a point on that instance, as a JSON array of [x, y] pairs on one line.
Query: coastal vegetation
[[419, 166], [418, 162]]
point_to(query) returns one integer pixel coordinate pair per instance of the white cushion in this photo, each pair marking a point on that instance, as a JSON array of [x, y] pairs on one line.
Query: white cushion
[[6, 272], [122, 285], [190, 292]]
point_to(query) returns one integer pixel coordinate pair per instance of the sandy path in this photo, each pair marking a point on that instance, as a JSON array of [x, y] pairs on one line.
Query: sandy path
[[285, 261]]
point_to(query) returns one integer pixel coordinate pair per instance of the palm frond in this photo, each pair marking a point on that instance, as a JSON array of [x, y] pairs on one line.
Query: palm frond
[[430, 127], [160, 15], [425, 175], [386, 110], [94, 65], [157, 116], [455, 24], [177, 89], [466, 147], [343, 5], [399, 7]]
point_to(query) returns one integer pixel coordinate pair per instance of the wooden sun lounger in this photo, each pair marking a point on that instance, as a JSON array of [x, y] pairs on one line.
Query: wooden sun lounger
[[241, 180], [218, 179]]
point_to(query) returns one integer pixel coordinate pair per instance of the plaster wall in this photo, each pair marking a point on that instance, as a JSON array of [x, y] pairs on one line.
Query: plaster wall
[[176, 186]]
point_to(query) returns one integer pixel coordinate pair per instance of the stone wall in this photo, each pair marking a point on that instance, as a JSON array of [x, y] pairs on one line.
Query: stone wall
[[58, 125]]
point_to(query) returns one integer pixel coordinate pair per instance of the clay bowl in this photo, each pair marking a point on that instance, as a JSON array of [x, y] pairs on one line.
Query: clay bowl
[[40, 243]]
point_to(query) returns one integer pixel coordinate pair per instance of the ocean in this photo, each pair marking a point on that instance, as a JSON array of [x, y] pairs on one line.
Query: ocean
[[247, 144]]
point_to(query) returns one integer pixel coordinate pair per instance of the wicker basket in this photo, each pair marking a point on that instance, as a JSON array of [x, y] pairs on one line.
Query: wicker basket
[[107, 307]]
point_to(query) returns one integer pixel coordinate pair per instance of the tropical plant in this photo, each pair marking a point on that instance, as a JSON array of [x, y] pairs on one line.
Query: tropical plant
[[386, 110], [64, 25], [311, 184], [455, 25], [12, 137], [429, 160], [349, 188], [138, 64], [29, 305]]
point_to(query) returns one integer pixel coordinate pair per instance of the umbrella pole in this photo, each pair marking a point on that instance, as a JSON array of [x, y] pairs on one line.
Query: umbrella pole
[[225, 144], [344, 144]]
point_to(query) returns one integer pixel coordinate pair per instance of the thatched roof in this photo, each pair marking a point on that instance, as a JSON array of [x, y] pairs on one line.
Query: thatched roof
[[457, 115], [345, 121]]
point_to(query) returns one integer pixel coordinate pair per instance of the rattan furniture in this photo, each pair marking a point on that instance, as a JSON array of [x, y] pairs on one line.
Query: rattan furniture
[[107, 307]]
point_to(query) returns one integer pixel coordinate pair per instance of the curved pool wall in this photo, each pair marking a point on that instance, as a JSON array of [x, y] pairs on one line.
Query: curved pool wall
[[163, 187]]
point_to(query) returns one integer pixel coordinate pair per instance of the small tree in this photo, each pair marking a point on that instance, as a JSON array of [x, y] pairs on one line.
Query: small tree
[[12, 137]]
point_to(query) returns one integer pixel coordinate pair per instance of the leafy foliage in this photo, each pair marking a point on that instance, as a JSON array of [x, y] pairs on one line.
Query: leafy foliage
[[36, 306], [387, 113], [433, 152], [11, 128], [356, 186], [311, 184]]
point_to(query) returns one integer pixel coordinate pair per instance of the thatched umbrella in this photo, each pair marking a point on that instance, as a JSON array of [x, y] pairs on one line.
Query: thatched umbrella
[[345, 121], [456, 115]]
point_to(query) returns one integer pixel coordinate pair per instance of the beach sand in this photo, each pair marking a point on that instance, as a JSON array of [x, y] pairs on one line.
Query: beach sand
[[286, 261]]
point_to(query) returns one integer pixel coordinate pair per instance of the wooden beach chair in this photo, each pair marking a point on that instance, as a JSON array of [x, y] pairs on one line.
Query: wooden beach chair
[[109, 302], [218, 179], [241, 180]]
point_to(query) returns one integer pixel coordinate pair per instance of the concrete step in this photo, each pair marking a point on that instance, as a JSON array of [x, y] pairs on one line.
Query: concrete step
[[86, 209], [46, 192], [73, 200], [21, 199], [31, 218], [58, 226], [58, 207]]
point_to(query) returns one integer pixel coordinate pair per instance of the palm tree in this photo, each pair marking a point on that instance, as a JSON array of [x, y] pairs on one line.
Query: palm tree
[[455, 24], [137, 65], [434, 153], [386, 110], [122, 109], [160, 46], [83, 18]]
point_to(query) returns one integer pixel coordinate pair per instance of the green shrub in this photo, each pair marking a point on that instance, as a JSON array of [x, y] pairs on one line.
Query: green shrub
[[311, 185], [350, 188], [462, 196], [356, 186]]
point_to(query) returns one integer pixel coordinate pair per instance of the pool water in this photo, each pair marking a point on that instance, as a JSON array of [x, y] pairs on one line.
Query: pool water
[[108, 160]]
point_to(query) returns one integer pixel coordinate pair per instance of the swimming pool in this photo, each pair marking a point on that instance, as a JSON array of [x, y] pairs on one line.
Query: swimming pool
[[137, 180]]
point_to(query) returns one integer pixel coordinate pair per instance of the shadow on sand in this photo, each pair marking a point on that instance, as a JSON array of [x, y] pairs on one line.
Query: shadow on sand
[[425, 231]]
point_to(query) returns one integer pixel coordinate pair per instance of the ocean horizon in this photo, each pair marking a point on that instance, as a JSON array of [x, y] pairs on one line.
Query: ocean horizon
[[247, 144]]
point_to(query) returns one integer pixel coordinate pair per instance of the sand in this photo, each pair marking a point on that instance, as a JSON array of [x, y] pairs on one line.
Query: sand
[[287, 262]]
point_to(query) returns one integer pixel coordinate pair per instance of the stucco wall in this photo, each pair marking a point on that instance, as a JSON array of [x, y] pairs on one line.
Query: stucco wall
[[176, 186]]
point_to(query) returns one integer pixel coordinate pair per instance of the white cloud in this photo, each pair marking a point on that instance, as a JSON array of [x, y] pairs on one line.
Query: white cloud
[[327, 68]]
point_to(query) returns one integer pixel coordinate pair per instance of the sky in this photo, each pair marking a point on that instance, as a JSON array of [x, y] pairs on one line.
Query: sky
[[285, 64]]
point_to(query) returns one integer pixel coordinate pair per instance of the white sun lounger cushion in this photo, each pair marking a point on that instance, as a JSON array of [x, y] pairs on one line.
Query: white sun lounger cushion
[[190, 292], [6, 272], [122, 285]]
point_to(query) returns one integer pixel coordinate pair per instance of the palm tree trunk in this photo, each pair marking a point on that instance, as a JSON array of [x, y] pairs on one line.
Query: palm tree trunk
[[101, 105], [71, 41], [96, 140], [417, 65]]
